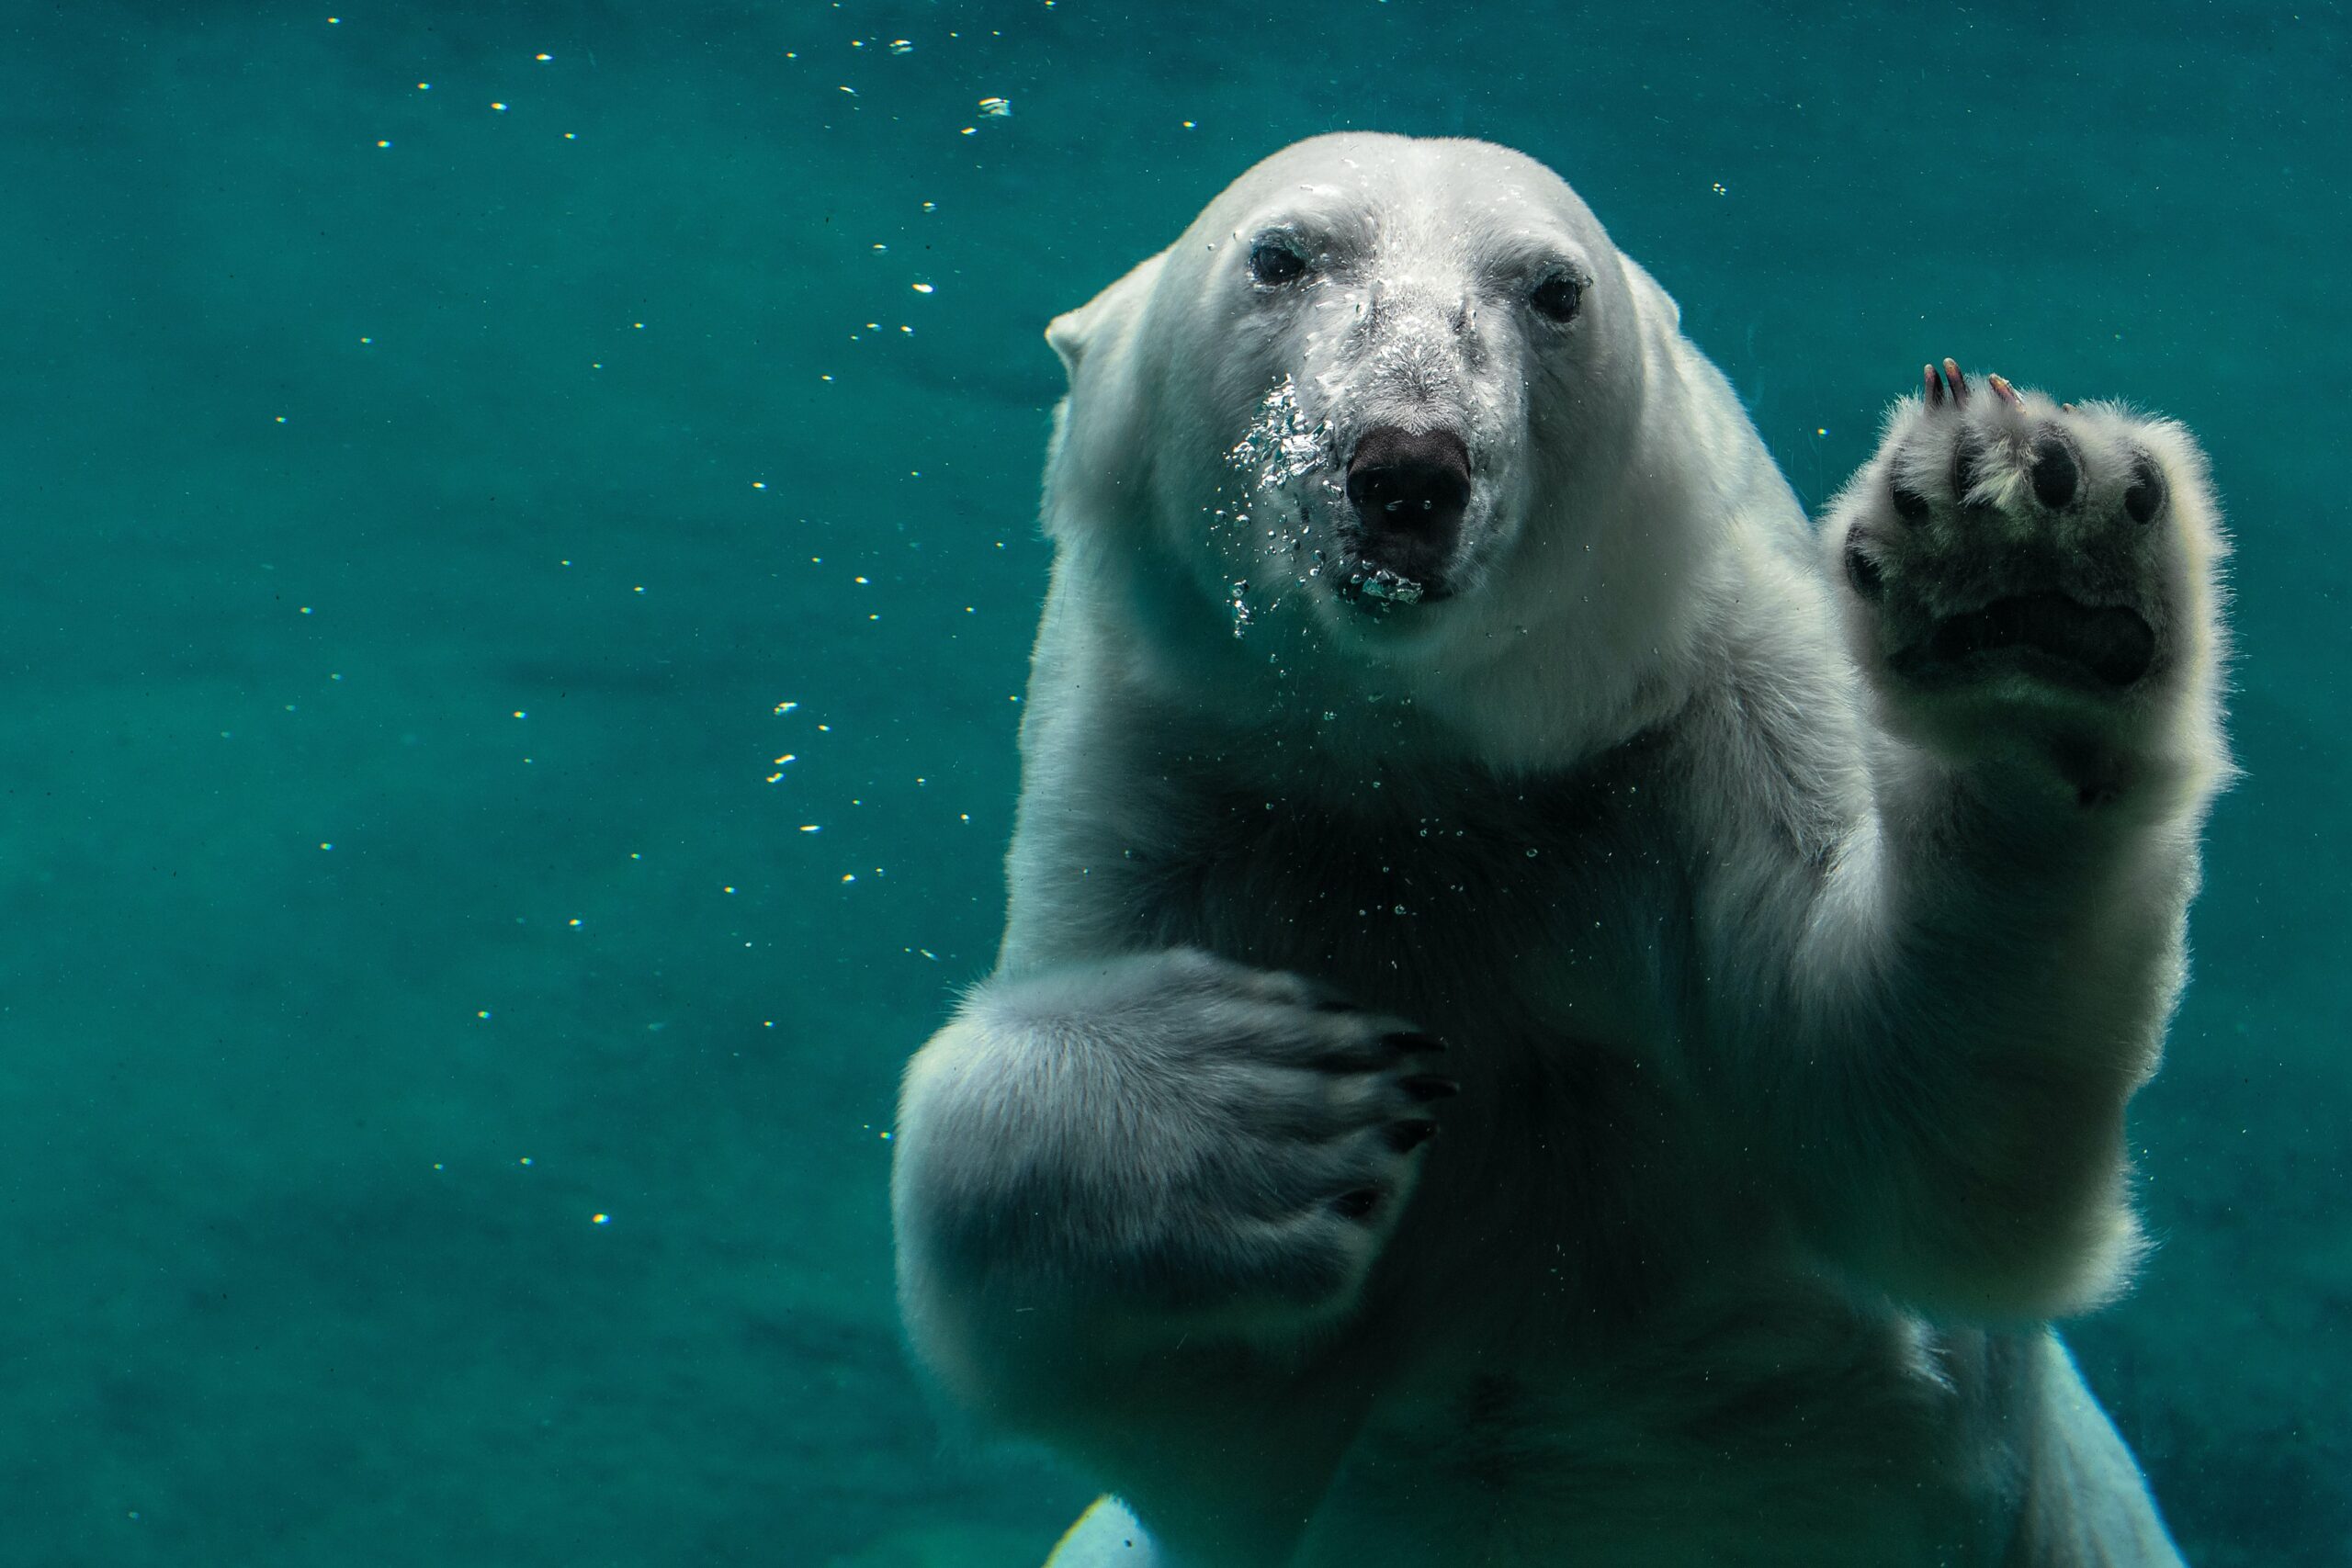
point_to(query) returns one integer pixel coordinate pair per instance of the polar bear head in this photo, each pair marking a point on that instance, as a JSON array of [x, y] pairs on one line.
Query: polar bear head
[[1387, 398]]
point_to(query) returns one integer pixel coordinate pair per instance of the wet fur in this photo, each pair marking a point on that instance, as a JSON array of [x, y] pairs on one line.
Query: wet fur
[[1794, 1007]]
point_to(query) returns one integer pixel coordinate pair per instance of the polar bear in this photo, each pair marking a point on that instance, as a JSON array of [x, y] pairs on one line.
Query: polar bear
[[1550, 1012]]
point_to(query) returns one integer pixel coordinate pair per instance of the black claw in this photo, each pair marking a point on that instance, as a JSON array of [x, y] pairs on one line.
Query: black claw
[[2055, 472], [1959, 382], [1404, 1137], [1935, 387], [1426, 1086], [1411, 1042], [2145, 497], [1357, 1204], [1863, 574], [1910, 504]]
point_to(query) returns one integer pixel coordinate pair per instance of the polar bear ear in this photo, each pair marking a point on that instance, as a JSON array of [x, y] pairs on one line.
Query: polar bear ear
[[1074, 333], [1655, 303], [1065, 335]]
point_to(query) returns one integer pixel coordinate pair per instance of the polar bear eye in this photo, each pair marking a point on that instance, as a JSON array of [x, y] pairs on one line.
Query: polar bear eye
[[1273, 261], [1556, 297]]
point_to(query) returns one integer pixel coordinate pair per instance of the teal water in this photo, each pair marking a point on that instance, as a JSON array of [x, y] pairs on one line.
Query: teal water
[[426, 523]]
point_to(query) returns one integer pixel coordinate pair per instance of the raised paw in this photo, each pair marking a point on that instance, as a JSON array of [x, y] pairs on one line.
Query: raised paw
[[2005, 549]]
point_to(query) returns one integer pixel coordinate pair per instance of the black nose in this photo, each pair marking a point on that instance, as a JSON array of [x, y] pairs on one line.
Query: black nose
[[1410, 481]]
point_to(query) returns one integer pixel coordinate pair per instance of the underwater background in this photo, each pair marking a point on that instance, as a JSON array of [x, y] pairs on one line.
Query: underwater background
[[452, 455]]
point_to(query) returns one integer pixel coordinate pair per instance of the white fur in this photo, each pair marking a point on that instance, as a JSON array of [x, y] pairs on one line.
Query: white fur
[[1794, 1003]]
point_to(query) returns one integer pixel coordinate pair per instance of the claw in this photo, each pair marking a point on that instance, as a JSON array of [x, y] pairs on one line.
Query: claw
[[1959, 382], [1935, 386], [2005, 392], [1404, 1137]]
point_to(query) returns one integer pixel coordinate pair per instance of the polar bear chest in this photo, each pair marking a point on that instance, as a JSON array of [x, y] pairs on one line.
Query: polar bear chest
[[1519, 912]]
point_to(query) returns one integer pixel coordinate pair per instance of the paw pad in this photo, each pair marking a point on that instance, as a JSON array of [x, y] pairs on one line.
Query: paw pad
[[2146, 496], [1863, 572], [2055, 473]]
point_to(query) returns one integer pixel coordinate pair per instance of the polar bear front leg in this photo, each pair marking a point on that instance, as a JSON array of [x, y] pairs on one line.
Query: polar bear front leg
[[1986, 965], [1103, 1161], [2030, 584]]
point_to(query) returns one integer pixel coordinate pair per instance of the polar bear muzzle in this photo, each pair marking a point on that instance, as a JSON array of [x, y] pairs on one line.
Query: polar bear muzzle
[[1409, 490]]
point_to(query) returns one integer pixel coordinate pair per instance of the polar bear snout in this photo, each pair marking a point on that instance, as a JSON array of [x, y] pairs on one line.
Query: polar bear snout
[[1410, 490]]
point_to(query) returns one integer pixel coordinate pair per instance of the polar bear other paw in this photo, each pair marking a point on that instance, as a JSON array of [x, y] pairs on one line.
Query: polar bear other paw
[[1238, 1143]]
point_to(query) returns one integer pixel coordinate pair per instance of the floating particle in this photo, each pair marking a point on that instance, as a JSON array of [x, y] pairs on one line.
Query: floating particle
[[931, 207], [600, 1219], [996, 108], [785, 707], [924, 288], [543, 59], [901, 46], [498, 106]]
